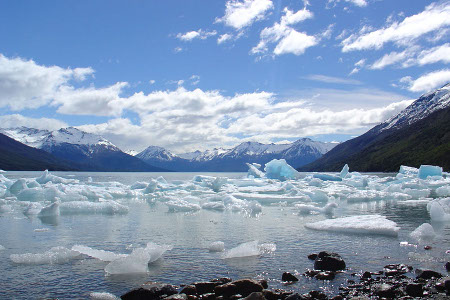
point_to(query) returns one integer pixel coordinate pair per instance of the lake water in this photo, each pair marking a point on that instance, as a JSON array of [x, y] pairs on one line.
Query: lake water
[[191, 232]]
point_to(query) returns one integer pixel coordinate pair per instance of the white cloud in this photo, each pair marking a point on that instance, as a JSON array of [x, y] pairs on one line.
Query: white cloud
[[240, 14], [152, 81], [390, 59], [17, 120], [287, 39], [434, 17], [25, 84], [90, 101], [331, 79], [177, 49], [360, 3], [434, 55], [199, 34], [428, 81], [358, 65], [224, 38]]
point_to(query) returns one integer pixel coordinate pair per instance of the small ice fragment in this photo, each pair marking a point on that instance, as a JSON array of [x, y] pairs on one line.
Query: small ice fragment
[[98, 254], [18, 186], [327, 177], [55, 255], [217, 246], [108, 207], [102, 296], [253, 170], [307, 209], [33, 209], [437, 211], [214, 206], [138, 185], [344, 171], [50, 211], [408, 170], [182, 206], [41, 230], [427, 170], [364, 224], [443, 191], [151, 187], [243, 250], [279, 169], [2, 248], [423, 232]]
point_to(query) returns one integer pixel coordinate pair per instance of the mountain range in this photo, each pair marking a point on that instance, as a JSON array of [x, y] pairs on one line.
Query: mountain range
[[299, 153], [420, 134]]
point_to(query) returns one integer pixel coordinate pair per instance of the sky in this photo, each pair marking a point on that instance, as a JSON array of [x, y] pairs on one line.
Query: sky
[[199, 74]]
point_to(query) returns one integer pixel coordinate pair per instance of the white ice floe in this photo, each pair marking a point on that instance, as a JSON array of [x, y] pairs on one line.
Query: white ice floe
[[102, 296], [423, 232], [2, 248], [218, 246], [279, 169], [443, 191], [249, 249], [138, 260], [98, 254], [426, 170], [365, 224], [439, 210], [108, 207], [254, 171], [55, 255], [327, 177], [181, 205], [308, 209], [50, 211], [344, 171]]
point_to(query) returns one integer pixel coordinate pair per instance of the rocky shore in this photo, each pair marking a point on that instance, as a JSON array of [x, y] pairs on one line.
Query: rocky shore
[[395, 281]]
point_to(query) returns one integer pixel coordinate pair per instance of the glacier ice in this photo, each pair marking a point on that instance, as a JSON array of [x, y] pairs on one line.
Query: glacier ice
[[254, 171], [279, 169], [365, 224], [218, 246], [55, 255], [138, 260], [423, 232], [2, 248], [439, 210], [182, 205], [109, 207], [327, 177], [50, 211], [249, 249], [427, 170], [344, 171], [98, 254], [307, 209]]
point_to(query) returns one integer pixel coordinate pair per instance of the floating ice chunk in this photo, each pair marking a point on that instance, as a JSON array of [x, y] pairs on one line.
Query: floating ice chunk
[[214, 206], [182, 206], [216, 246], [365, 224], [218, 183], [307, 209], [32, 209], [443, 191], [2, 248], [18, 186], [138, 260], [249, 249], [4, 208], [55, 255], [408, 170], [47, 177], [344, 171], [318, 196], [438, 210], [98, 254], [50, 211], [327, 177], [316, 182], [102, 296], [138, 185], [427, 170], [423, 232], [151, 187], [279, 169], [161, 179], [253, 207], [108, 207], [254, 171], [33, 184], [33, 194]]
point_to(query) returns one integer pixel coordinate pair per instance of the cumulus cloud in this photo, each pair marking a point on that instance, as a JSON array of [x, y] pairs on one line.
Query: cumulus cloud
[[360, 3], [240, 14], [331, 79], [436, 16], [286, 38], [199, 34], [17, 120], [428, 81], [25, 84], [224, 38]]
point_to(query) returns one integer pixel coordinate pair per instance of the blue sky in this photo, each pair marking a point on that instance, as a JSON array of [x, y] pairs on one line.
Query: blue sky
[[189, 75]]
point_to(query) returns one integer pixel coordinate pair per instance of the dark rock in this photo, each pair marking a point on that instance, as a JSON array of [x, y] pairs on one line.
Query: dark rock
[[384, 290], [414, 290], [427, 247], [428, 274], [447, 266], [220, 281], [295, 297], [311, 273], [264, 283], [226, 290], [271, 295], [247, 286], [327, 261], [318, 295], [312, 256], [255, 296], [366, 275], [209, 296], [189, 290], [150, 291], [327, 275], [338, 297], [204, 287], [177, 297], [288, 277]]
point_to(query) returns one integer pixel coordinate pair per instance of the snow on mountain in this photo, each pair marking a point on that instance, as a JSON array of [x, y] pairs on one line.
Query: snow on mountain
[[256, 149], [155, 152], [28, 136], [420, 109], [203, 156], [307, 146]]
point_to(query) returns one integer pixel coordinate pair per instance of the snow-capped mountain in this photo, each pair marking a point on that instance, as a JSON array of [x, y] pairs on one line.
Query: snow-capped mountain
[[88, 151], [417, 135], [233, 160], [419, 109]]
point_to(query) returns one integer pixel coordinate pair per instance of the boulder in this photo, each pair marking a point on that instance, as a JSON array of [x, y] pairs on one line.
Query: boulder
[[204, 287], [326, 275], [414, 290], [385, 290], [189, 290], [428, 274], [255, 296], [150, 291], [288, 277], [328, 261]]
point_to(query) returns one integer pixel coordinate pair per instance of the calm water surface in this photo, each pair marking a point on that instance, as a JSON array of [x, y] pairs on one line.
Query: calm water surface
[[190, 234]]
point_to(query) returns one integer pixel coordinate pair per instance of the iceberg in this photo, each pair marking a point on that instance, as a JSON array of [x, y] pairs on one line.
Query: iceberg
[[439, 210], [423, 232], [182, 206], [98, 254], [249, 249], [365, 224], [327, 177], [50, 211], [216, 247], [279, 169], [427, 170], [138, 260], [307, 209], [108, 207], [55, 255], [18, 186], [254, 171], [344, 171]]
